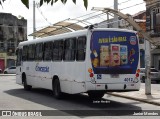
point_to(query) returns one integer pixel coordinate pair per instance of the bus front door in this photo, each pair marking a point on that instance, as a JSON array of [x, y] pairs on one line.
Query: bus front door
[[18, 66]]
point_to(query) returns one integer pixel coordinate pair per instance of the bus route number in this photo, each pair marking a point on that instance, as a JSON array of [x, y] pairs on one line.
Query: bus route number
[[128, 79]]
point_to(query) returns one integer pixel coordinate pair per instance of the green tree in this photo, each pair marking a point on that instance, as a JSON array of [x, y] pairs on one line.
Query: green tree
[[1, 1], [26, 2]]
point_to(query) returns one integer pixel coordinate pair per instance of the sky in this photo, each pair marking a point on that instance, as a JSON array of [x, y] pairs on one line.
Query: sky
[[47, 14]]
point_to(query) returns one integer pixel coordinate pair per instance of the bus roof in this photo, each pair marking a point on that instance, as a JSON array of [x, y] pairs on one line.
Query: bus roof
[[71, 34]]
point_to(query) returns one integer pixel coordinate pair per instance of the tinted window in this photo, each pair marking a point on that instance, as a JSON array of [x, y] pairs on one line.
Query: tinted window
[[39, 52], [25, 53], [31, 52], [12, 68], [69, 49], [48, 51], [58, 50], [81, 49]]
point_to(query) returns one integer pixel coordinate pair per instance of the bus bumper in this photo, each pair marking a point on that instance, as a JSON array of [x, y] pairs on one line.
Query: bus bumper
[[114, 87]]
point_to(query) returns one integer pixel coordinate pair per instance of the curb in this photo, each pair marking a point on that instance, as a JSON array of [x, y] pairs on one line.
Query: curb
[[137, 99], [7, 74]]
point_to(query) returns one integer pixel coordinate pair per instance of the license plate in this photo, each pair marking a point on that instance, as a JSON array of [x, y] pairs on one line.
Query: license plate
[[114, 75]]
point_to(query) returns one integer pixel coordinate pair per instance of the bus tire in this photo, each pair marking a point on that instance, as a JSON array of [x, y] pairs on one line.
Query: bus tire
[[57, 89], [26, 87], [96, 95]]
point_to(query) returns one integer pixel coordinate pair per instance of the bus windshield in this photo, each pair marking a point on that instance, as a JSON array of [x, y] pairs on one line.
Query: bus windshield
[[114, 52]]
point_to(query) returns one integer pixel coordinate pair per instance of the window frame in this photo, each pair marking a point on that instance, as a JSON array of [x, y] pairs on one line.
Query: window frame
[[19, 57], [37, 53], [12, 67], [44, 51], [70, 50], [84, 48], [26, 53], [59, 56], [32, 46]]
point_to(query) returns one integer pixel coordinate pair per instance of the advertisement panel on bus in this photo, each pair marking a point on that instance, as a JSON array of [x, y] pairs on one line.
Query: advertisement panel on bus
[[114, 52]]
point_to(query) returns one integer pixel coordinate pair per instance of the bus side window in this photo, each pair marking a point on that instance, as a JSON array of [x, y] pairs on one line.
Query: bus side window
[[81, 48], [57, 50], [61, 49], [69, 49], [39, 52], [25, 53], [48, 51], [31, 52]]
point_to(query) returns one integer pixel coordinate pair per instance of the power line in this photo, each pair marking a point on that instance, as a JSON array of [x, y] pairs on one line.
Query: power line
[[120, 3], [124, 2], [37, 4], [132, 6], [90, 15], [86, 15], [43, 16]]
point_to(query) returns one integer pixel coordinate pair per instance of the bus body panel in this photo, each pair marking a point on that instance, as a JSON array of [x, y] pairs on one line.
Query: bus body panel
[[43, 74], [71, 76], [72, 80], [74, 76], [109, 76]]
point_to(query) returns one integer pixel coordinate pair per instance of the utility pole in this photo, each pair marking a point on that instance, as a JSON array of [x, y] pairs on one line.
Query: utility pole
[[107, 20], [34, 18], [115, 25], [147, 67]]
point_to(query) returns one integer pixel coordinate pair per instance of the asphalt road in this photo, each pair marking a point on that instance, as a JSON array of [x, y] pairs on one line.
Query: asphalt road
[[13, 97]]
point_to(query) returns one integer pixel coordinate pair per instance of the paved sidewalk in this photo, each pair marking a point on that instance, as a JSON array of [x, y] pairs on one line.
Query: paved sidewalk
[[154, 98]]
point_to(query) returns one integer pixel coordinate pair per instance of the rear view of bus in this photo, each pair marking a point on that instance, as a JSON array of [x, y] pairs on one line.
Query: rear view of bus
[[114, 62]]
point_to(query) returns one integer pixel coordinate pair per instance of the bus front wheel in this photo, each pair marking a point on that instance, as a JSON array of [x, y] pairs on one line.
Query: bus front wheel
[[57, 89], [26, 87]]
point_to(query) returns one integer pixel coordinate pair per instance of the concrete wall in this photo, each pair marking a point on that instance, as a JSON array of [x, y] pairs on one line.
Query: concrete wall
[[153, 27]]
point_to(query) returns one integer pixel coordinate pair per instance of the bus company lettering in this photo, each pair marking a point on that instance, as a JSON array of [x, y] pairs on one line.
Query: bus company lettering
[[42, 69], [112, 40]]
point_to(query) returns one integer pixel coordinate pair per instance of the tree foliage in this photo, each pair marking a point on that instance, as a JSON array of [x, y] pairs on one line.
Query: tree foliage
[[1, 1], [26, 2]]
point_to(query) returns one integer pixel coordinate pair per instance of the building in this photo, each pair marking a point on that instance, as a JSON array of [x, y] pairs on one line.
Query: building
[[140, 19], [153, 28], [12, 31]]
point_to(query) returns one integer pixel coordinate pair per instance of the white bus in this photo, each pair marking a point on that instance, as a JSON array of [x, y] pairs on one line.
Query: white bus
[[93, 61]]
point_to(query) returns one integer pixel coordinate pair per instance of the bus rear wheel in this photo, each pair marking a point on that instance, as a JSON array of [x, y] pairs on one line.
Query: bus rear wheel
[[57, 89], [96, 95]]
